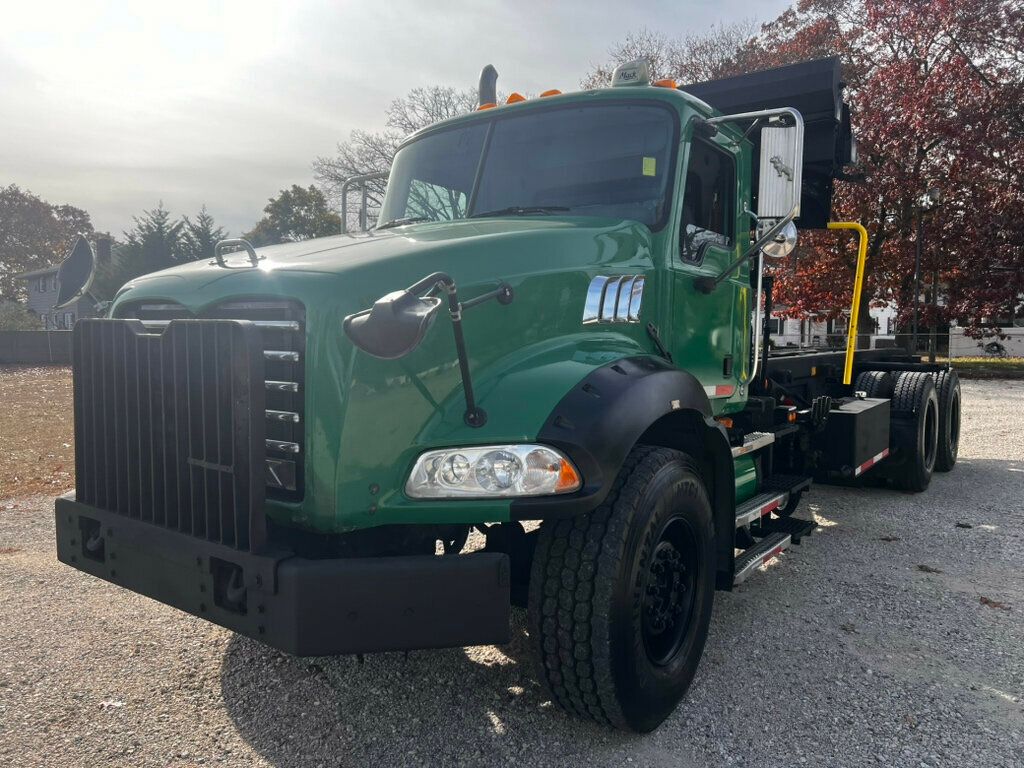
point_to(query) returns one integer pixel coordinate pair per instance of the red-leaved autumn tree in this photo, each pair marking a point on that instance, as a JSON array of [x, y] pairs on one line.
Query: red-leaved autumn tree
[[937, 91]]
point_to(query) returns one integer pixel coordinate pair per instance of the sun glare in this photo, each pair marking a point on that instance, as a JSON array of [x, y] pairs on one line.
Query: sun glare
[[140, 52]]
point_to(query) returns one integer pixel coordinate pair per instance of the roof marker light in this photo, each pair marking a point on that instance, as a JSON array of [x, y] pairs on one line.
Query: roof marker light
[[552, 92], [668, 82], [515, 98]]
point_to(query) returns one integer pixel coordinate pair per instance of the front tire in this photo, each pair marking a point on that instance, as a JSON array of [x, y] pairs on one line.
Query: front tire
[[620, 598]]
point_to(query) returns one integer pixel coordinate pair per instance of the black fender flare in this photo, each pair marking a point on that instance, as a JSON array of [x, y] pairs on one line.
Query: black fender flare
[[634, 400]]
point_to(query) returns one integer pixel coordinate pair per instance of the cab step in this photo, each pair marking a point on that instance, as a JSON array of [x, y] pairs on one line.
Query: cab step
[[758, 506], [776, 494], [753, 441], [781, 534], [753, 558], [793, 526]]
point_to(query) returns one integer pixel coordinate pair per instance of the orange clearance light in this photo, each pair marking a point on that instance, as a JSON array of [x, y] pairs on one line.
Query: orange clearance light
[[552, 92], [489, 105], [514, 98], [791, 416], [666, 83], [568, 478], [725, 421]]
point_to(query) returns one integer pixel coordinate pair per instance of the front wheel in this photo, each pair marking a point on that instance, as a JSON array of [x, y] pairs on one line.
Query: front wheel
[[620, 598]]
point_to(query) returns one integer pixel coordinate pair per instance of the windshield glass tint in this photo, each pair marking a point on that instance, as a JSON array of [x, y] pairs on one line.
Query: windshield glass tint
[[596, 160], [433, 177]]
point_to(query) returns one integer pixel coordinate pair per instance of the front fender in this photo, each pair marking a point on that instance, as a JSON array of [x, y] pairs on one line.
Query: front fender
[[600, 419]]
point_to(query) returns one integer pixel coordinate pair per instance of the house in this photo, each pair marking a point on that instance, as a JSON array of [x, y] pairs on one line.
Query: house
[[809, 331], [42, 296]]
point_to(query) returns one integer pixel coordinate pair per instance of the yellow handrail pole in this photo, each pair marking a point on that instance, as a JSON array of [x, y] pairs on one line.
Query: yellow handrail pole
[[858, 283]]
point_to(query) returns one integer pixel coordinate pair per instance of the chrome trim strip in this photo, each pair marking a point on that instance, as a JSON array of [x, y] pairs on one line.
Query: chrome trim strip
[[622, 299], [283, 445], [281, 356], [291, 416], [610, 288], [635, 297], [614, 299], [592, 307], [282, 386], [278, 325]]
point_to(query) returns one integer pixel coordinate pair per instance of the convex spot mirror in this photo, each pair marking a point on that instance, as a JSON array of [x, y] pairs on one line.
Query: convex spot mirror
[[74, 276], [780, 246], [394, 326]]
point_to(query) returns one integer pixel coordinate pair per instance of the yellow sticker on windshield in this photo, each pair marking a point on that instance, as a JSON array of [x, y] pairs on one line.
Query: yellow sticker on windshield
[[650, 166]]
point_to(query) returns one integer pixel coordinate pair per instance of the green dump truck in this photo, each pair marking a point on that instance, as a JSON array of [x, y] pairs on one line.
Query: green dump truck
[[543, 379]]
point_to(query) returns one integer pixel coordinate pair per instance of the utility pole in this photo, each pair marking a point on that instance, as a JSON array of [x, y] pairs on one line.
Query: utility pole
[[917, 276], [933, 339], [927, 201]]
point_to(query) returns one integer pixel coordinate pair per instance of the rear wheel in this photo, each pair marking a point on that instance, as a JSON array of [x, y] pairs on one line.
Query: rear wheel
[[620, 598], [947, 386], [915, 430]]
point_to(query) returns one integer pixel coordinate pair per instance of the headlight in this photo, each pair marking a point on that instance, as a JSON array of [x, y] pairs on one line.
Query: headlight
[[492, 471]]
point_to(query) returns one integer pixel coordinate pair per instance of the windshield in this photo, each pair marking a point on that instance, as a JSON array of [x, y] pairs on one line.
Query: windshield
[[608, 160]]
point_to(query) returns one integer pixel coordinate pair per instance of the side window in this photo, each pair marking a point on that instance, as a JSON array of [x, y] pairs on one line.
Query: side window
[[709, 198], [435, 202]]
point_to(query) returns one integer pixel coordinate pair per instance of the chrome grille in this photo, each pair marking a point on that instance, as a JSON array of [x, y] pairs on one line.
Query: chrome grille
[[282, 328]]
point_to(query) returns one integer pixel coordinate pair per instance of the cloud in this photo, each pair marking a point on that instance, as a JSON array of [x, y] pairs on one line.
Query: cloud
[[226, 102]]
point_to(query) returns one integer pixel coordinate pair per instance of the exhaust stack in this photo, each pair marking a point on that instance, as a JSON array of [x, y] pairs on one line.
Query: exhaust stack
[[488, 89]]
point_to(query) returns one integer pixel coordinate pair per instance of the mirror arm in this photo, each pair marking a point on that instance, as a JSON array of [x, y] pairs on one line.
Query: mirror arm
[[708, 284], [474, 416]]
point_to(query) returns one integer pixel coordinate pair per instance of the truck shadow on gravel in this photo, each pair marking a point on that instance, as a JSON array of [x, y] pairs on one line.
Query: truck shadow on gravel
[[463, 706]]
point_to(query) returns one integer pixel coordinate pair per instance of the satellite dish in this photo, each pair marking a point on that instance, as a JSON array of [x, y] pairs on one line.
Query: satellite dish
[[75, 273]]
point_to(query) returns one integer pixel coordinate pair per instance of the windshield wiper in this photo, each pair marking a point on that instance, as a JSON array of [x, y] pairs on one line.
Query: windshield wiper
[[400, 222], [521, 210]]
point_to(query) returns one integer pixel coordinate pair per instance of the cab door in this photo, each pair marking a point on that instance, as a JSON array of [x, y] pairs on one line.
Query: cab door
[[709, 330]]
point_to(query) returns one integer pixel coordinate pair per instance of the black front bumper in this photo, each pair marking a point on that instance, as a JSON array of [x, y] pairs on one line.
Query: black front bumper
[[303, 607]]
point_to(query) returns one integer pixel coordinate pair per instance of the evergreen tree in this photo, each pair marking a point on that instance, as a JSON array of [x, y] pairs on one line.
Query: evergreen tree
[[200, 237], [154, 242]]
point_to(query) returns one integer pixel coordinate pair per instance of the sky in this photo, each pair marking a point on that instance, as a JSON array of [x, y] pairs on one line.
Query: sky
[[114, 106]]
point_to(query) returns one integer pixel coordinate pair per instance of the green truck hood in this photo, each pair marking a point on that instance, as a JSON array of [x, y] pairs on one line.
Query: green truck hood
[[340, 254], [368, 419]]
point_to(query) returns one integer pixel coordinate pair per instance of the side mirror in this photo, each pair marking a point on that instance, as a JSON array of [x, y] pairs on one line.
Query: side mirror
[[394, 326], [780, 246], [74, 276], [781, 171]]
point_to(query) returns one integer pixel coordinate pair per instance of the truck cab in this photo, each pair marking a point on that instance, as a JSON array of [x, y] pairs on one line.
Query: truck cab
[[553, 340]]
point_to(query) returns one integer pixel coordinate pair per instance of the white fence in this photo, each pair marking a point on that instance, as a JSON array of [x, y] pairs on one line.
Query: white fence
[[961, 345]]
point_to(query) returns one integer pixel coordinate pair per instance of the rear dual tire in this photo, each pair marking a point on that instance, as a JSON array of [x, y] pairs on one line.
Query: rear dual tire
[[620, 598], [947, 388], [915, 430], [875, 383]]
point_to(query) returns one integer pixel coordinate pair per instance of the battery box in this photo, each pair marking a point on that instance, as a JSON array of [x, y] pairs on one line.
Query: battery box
[[856, 432]]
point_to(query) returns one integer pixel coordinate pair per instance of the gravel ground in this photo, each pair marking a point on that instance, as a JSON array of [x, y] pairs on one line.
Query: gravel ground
[[893, 636]]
